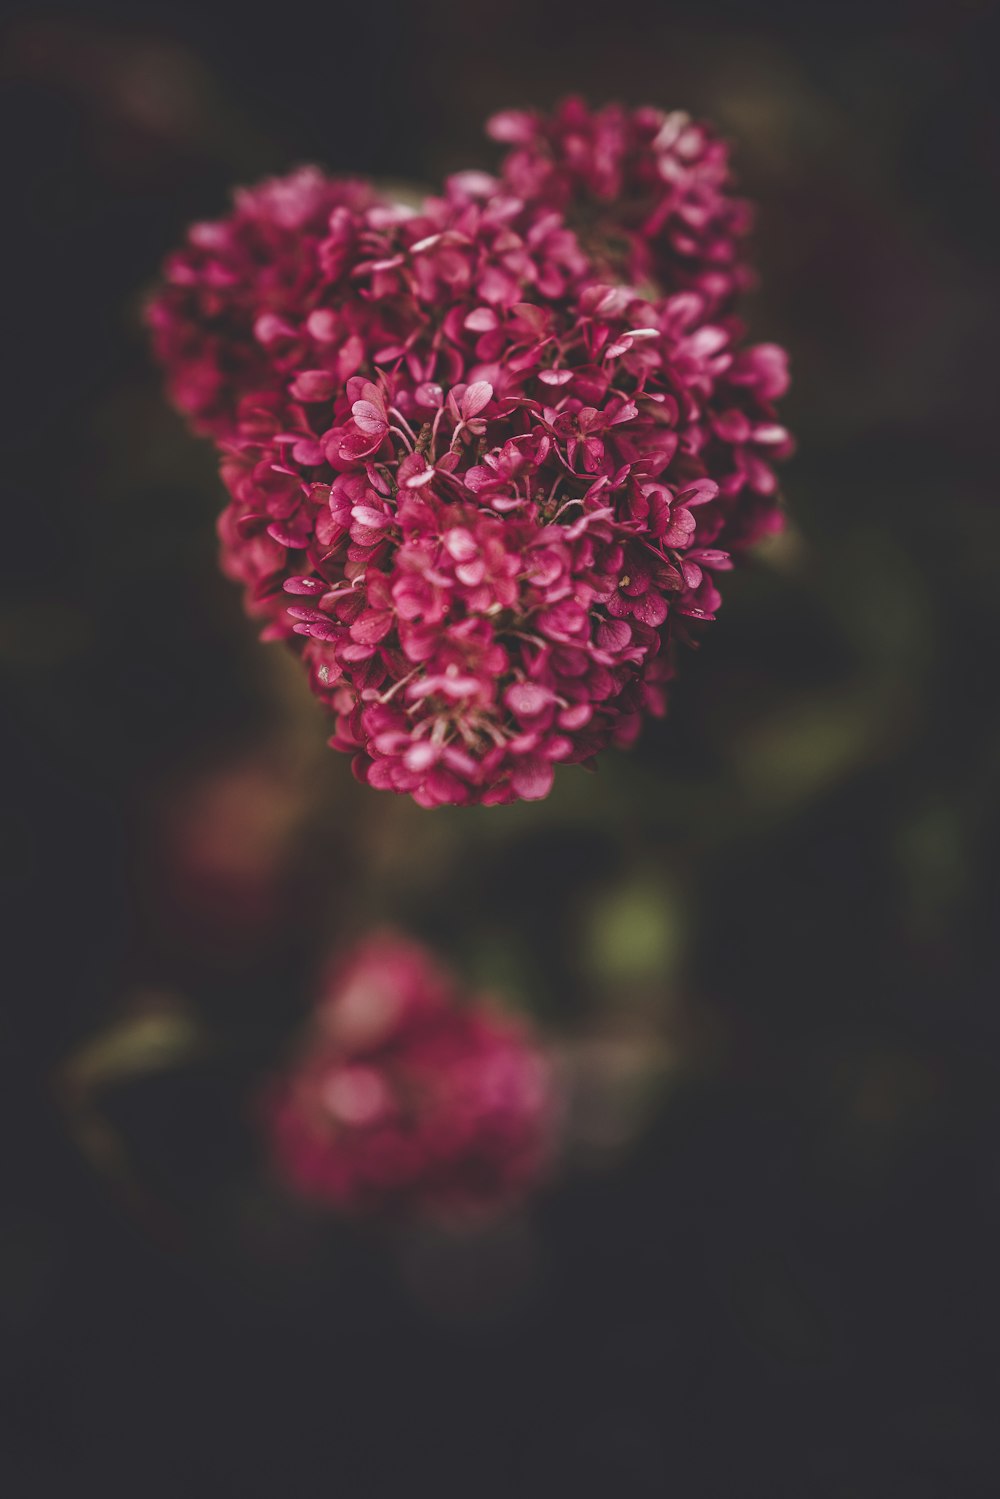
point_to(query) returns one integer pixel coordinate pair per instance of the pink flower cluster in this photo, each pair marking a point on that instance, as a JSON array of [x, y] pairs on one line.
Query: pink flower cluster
[[482, 482], [404, 1098]]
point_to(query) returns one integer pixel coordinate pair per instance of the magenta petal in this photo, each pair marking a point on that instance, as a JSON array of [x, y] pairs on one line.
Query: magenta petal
[[461, 544], [651, 609], [304, 585], [555, 377], [515, 126], [308, 452], [576, 717], [532, 778], [481, 320], [368, 418], [372, 626], [313, 385], [526, 699], [478, 395], [613, 634], [471, 574], [372, 519], [421, 756]]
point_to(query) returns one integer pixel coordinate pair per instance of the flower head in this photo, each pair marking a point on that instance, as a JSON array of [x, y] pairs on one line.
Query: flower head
[[483, 488], [406, 1097]]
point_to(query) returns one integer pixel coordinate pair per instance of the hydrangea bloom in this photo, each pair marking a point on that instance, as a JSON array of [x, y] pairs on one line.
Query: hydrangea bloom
[[404, 1098], [650, 192], [482, 486]]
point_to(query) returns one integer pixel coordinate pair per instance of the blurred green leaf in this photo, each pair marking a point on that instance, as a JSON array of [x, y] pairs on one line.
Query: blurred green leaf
[[148, 1042], [636, 932]]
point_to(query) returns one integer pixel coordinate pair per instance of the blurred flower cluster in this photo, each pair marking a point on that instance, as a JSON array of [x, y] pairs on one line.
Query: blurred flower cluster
[[404, 1095], [486, 457]]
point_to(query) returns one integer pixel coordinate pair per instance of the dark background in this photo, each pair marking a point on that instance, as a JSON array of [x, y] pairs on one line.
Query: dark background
[[764, 943]]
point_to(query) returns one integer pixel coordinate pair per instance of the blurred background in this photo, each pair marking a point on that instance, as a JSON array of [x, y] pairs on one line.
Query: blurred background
[[763, 945]]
